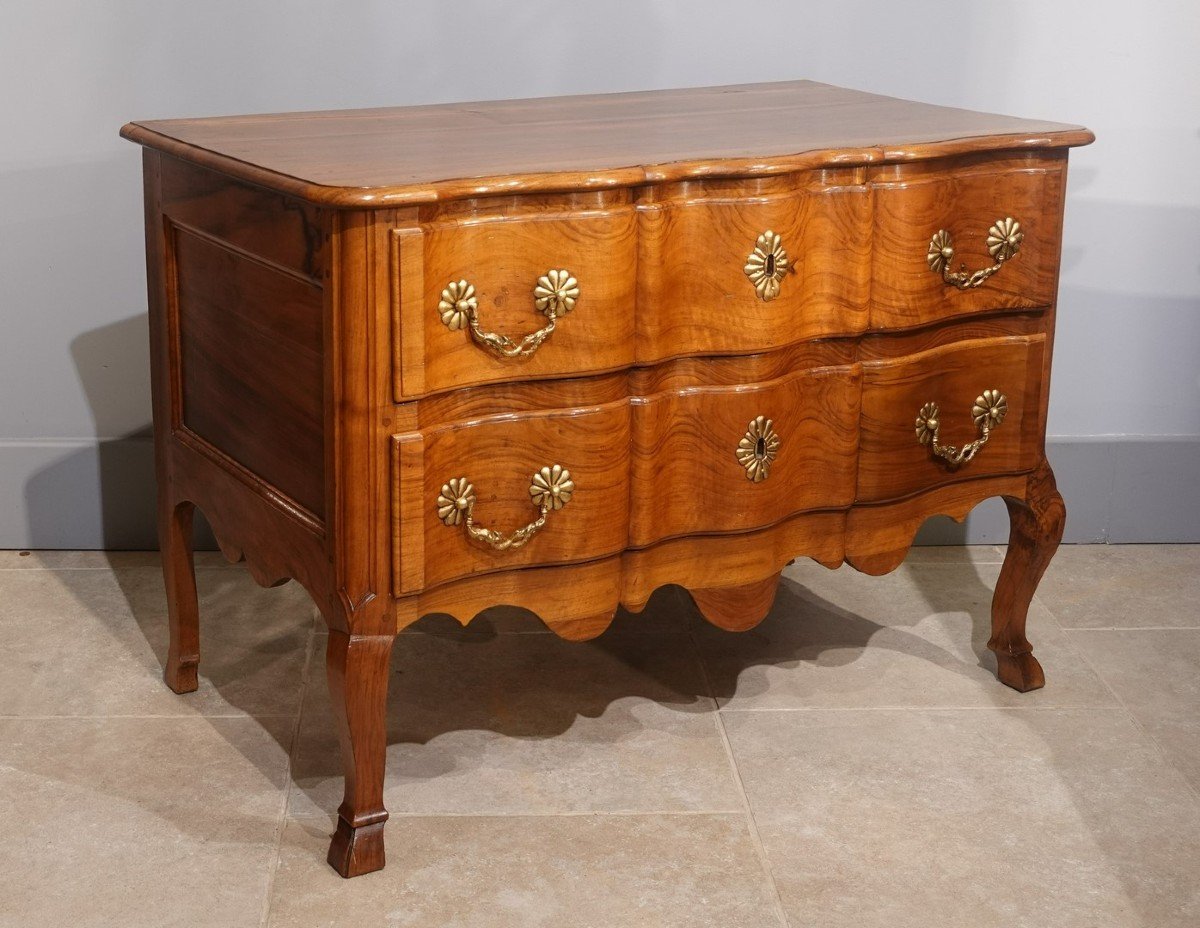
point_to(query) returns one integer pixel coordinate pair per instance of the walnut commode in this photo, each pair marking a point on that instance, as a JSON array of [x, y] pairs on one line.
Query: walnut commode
[[558, 353]]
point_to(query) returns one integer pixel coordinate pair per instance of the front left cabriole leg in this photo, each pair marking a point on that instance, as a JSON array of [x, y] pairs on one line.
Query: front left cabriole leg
[[358, 667]]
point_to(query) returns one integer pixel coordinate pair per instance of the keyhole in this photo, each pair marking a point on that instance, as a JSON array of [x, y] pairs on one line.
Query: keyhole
[[760, 448], [770, 265]]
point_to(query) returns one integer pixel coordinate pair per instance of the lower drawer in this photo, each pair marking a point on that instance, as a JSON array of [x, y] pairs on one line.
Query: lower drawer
[[917, 405], [628, 473], [494, 474], [729, 459]]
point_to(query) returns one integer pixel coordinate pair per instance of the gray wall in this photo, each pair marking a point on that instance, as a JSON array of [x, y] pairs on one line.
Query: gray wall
[[74, 458]]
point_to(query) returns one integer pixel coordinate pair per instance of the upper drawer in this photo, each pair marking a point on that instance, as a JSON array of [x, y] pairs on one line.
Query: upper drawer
[[964, 205], [454, 335], [730, 266]]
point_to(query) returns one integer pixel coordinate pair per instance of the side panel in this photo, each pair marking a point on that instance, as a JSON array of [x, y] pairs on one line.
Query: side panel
[[246, 275], [250, 352]]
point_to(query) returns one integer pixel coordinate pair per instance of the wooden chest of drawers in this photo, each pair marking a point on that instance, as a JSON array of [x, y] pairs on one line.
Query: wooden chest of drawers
[[558, 353]]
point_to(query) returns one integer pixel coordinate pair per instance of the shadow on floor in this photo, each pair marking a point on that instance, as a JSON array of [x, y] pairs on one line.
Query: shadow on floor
[[505, 673]]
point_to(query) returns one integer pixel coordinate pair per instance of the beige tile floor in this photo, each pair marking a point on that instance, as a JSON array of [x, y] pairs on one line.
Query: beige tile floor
[[851, 762]]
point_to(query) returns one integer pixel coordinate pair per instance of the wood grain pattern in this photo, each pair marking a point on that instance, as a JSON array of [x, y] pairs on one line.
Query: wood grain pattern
[[687, 479], [251, 364], [308, 399], [696, 236], [892, 463], [274, 228], [499, 456], [878, 536], [390, 157], [1037, 518], [503, 254], [357, 667], [630, 578], [737, 608], [872, 538], [965, 197]]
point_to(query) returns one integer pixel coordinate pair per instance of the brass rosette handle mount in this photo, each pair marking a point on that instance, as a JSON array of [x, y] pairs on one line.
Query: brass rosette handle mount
[[767, 264], [554, 295], [991, 406], [1004, 240], [550, 489]]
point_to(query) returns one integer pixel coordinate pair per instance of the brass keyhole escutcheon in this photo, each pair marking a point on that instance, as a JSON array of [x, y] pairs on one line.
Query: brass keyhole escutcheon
[[767, 265], [758, 449]]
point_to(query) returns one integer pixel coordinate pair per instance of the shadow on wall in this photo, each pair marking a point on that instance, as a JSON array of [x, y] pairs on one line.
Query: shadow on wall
[[102, 495]]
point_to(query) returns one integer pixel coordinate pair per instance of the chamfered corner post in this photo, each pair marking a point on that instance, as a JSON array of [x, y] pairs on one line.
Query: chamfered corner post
[[1037, 523], [174, 514]]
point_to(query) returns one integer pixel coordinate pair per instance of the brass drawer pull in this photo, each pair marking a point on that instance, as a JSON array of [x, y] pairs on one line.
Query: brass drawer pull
[[758, 449], [554, 295], [1003, 242], [991, 406], [550, 488], [767, 265]]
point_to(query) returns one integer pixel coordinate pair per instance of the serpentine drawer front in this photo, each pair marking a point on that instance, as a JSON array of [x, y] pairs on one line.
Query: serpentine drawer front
[[483, 293], [559, 353]]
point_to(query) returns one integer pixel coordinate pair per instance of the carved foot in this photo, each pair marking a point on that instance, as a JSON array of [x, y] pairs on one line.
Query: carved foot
[[355, 851], [1037, 523], [1020, 671], [737, 608]]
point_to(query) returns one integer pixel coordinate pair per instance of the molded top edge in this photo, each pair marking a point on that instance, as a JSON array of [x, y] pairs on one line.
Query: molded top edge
[[402, 156]]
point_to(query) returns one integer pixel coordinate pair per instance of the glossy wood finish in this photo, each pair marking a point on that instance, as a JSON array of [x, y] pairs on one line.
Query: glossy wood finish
[[965, 197], [695, 237], [183, 606], [309, 400], [251, 366], [357, 667], [687, 479], [892, 463], [1038, 518], [502, 248], [645, 468], [500, 456], [873, 539], [404, 155], [737, 608]]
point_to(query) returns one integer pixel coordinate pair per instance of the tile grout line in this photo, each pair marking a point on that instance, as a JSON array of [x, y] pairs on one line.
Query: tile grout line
[[1137, 724], [197, 716], [563, 813], [61, 568], [910, 708], [281, 823], [747, 812], [1132, 628]]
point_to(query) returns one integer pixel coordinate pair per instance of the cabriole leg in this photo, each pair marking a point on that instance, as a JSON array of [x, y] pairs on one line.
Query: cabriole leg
[[1036, 528], [358, 667], [183, 609]]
